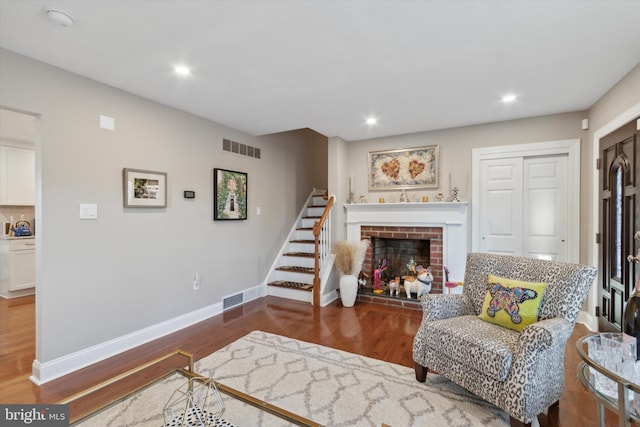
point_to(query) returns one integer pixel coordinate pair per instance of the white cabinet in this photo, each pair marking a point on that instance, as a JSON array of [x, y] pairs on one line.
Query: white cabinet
[[17, 176], [17, 264]]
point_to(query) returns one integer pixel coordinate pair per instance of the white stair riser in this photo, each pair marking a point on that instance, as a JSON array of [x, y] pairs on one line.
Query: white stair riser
[[303, 235], [298, 261], [318, 201], [301, 247], [292, 276], [315, 211], [308, 222], [294, 294]]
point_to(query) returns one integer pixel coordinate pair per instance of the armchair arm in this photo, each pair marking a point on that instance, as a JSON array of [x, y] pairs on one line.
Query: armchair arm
[[544, 334], [537, 371], [443, 306]]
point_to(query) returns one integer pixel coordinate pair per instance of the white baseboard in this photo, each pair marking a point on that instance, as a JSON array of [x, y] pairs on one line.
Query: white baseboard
[[56, 368]]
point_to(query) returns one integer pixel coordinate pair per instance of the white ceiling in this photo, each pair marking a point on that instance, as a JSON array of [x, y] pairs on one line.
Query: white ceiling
[[271, 66]]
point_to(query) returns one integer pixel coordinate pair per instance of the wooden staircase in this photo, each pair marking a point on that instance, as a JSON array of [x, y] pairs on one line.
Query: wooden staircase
[[295, 268]]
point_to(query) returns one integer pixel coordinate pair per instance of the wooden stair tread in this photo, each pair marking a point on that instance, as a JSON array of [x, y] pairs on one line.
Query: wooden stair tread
[[304, 229], [292, 285], [300, 254], [296, 269], [302, 241]]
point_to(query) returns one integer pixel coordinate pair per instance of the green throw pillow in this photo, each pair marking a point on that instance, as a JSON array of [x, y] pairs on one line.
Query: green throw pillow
[[512, 303]]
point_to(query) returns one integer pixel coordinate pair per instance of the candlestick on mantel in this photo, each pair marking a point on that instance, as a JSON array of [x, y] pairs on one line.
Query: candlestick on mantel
[[454, 177]]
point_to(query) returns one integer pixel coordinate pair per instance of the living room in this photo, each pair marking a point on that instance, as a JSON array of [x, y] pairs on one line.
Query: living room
[[108, 284]]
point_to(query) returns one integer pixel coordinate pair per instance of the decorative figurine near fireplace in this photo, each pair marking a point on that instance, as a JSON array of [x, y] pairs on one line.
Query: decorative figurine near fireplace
[[377, 277], [419, 284], [394, 286]]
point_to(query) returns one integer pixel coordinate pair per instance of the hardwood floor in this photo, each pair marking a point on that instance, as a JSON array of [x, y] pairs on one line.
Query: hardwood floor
[[381, 332]]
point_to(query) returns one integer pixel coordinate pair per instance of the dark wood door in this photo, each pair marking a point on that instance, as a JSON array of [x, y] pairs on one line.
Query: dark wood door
[[619, 222]]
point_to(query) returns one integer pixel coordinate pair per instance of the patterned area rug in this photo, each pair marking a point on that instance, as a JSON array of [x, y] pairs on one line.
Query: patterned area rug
[[329, 386]]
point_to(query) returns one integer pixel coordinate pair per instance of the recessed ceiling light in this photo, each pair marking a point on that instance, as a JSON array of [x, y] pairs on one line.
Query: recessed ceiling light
[[371, 121], [59, 16], [509, 98], [182, 70]]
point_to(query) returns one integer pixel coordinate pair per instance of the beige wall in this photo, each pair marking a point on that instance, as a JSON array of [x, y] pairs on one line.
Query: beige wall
[[456, 145], [133, 268]]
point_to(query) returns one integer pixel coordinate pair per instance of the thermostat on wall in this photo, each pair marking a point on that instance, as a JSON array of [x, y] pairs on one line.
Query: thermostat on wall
[[189, 194]]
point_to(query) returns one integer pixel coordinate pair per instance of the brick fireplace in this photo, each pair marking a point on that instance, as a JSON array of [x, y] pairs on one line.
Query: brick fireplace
[[399, 244], [442, 224]]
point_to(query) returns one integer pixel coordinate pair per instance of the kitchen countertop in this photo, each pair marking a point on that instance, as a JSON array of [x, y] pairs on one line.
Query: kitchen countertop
[[18, 237]]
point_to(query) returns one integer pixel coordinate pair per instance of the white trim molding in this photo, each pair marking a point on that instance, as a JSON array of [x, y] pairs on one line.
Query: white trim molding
[[48, 371]]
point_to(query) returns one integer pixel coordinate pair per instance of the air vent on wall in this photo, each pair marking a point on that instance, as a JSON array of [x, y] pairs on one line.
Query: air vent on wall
[[242, 149], [232, 301]]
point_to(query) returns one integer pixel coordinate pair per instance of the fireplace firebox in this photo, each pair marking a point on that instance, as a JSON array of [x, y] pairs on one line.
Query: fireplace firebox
[[398, 245]]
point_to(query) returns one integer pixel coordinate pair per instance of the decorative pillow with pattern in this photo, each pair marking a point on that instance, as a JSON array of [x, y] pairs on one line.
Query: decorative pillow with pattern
[[513, 304]]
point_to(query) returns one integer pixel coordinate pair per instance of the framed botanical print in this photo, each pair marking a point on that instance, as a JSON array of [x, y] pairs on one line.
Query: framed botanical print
[[229, 195]]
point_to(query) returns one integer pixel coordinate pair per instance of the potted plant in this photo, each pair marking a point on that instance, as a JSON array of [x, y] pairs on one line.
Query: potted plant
[[349, 258]]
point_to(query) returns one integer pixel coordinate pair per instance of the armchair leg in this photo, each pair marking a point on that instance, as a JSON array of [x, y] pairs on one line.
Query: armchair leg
[[421, 372]]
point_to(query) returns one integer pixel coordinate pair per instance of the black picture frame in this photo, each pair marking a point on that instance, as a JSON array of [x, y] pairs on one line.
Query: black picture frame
[[229, 195]]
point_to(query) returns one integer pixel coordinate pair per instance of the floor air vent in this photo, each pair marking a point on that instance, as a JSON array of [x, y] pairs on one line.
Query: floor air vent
[[232, 301]]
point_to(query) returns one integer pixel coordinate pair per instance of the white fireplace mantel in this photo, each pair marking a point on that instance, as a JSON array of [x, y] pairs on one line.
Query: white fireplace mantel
[[451, 216]]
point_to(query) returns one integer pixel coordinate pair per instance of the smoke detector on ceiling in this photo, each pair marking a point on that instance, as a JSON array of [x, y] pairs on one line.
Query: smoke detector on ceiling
[[59, 16]]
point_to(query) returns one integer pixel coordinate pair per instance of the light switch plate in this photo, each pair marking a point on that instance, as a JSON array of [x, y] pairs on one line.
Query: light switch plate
[[88, 211]]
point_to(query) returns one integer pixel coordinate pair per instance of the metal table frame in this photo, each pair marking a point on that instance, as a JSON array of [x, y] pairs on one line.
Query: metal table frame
[[619, 405]]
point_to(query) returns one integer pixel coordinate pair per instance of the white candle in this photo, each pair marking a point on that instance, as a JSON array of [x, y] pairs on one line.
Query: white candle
[[454, 177], [351, 182]]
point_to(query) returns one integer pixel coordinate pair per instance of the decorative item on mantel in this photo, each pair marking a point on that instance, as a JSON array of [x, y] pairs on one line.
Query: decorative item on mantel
[[348, 261], [631, 317], [453, 181], [454, 194], [351, 197]]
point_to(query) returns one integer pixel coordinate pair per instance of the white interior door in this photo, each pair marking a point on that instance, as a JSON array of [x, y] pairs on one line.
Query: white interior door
[[501, 206], [547, 211], [545, 207]]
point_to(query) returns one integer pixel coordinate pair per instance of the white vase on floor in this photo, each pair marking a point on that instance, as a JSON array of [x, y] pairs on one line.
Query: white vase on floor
[[348, 289]]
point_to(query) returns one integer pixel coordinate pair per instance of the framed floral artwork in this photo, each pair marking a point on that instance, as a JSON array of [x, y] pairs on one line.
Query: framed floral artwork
[[408, 168], [229, 195]]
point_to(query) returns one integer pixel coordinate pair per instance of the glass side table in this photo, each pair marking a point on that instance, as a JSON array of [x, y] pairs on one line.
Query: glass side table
[[623, 389]]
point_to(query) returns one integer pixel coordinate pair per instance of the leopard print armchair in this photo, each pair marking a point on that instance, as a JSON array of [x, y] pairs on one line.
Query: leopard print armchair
[[520, 372]]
